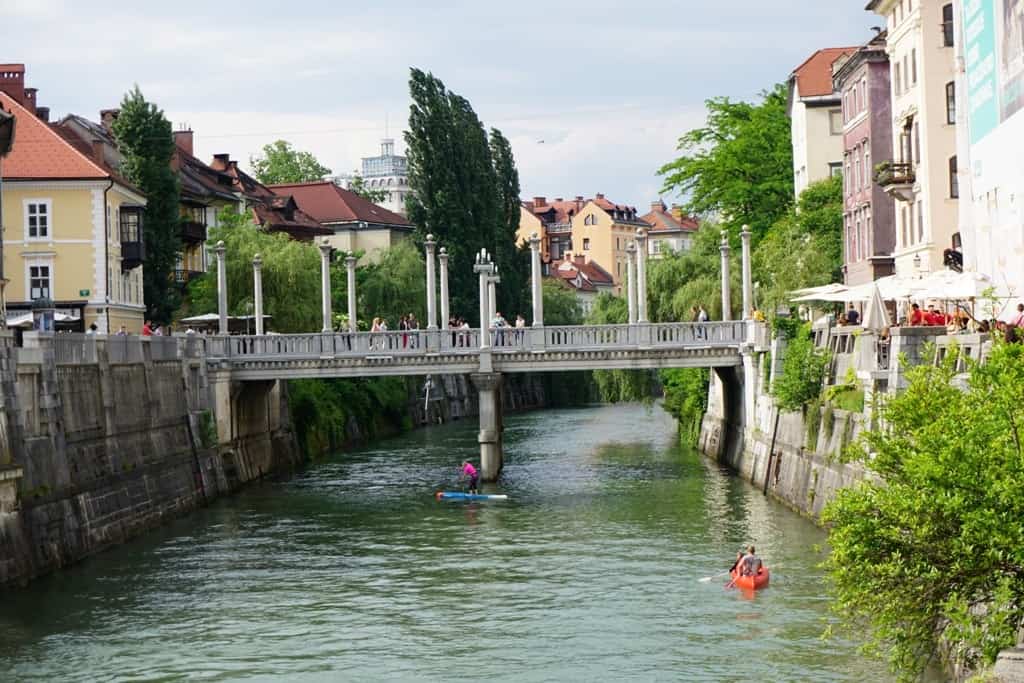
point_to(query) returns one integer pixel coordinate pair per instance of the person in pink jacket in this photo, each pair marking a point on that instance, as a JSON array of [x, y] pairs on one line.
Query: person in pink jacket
[[470, 472]]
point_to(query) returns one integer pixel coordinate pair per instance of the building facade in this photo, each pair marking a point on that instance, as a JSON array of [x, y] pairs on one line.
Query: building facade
[[816, 119], [585, 278], [869, 236], [922, 172], [73, 230], [990, 82], [388, 172], [357, 224], [670, 231]]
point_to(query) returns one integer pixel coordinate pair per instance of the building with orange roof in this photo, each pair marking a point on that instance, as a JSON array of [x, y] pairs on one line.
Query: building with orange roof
[[586, 278], [816, 118], [596, 228], [357, 224], [671, 230], [72, 226]]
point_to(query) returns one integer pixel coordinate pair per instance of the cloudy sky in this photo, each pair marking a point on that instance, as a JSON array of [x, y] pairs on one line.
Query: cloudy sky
[[593, 95]]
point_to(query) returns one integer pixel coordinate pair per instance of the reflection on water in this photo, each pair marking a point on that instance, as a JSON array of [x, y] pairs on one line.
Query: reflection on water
[[352, 571]]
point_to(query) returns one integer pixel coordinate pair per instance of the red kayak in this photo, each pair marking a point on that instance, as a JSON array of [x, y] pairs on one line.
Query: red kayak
[[758, 580]]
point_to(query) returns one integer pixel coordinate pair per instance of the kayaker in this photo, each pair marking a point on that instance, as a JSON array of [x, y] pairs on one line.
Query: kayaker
[[470, 473], [739, 558], [750, 564]]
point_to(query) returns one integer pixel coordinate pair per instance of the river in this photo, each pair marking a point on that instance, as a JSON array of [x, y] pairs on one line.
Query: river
[[352, 571]]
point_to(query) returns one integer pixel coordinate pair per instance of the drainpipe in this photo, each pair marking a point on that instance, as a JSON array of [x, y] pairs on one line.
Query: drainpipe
[[106, 252]]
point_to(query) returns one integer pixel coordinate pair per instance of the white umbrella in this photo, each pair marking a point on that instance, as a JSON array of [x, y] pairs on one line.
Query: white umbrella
[[833, 292], [830, 288], [876, 316], [951, 285]]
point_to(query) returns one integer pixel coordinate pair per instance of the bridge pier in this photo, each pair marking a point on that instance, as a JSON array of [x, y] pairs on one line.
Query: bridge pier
[[488, 386]]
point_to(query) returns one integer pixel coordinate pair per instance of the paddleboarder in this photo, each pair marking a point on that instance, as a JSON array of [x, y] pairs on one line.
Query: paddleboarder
[[470, 472]]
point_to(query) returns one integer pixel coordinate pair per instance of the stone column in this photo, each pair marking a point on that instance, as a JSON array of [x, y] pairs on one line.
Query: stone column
[[536, 282], [350, 272], [257, 289], [748, 287], [492, 292], [222, 288], [641, 275], [726, 294], [445, 313], [488, 386], [631, 281], [325, 283], [429, 245], [483, 269]]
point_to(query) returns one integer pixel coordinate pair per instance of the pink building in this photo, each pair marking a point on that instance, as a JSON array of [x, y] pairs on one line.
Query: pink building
[[869, 233]]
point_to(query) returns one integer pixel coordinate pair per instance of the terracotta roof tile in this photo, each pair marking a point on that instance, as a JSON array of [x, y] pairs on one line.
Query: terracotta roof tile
[[41, 152], [814, 76], [661, 220], [329, 203]]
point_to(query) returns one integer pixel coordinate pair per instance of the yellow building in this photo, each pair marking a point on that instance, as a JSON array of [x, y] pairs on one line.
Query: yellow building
[[595, 228], [72, 229]]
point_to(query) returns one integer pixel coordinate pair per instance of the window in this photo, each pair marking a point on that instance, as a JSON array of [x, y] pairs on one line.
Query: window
[[920, 220], [896, 79], [913, 66], [835, 121], [856, 172], [951, 102], [618, 244], [903, 228], [906, 74], [131, 224], [867, 167], [37, 219], [954, 182], [917, 143], [848, 178], [39, 282], [590, 220], [109, 221], [856, 240], [586, 244], [835, 168], [947, 25]]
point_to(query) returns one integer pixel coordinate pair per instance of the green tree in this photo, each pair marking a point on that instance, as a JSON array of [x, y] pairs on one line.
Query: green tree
[[144, 137], [291, 276], [739, 166], [359, 186], [460, 192], [615, 386], [679, 281], [561, 307], [686, 398], [282, 163], [933, 547], [513, 259], [803, 371], [394, 287]]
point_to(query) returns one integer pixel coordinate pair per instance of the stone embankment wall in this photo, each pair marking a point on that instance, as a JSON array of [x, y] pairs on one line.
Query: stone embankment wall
[[105, 438]]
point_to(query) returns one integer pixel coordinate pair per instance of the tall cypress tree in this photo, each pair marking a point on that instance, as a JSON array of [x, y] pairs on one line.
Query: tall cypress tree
[[145, 139], [514, 261], [456, 192]]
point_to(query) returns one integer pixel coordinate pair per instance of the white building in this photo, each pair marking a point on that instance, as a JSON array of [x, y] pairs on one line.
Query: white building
[[991, 144], [388, 172], [816, 119], [922, 174]]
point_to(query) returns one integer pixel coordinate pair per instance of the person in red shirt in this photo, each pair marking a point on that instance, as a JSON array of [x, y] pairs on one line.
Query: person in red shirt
[[147, 329], [916, 315]]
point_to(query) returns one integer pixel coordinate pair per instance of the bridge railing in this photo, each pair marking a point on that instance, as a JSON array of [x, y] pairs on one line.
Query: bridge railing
[[467, 341]]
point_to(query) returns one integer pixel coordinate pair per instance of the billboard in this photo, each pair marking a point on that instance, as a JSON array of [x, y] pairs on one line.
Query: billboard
[[993, 52]]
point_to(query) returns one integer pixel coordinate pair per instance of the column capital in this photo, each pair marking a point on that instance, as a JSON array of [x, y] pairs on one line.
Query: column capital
[[641, 235], [442, 255], [220, 248], [350, 260], [534, 241], [631, 249], [724, 245], [325, 248], [257, 261], [430, 242], [745, 232]]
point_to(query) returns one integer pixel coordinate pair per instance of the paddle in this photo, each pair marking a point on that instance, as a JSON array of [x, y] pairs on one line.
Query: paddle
[[706, 579]]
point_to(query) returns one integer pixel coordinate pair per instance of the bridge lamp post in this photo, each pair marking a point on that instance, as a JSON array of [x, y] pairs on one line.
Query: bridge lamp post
[[350, 273], [726, 294], [222, 288], [429, 245], [535, 281], [325, 284], [257, 289], [484, 268]]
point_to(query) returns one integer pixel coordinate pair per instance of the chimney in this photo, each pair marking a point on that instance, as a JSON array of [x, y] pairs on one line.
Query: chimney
[[677, 212], [658, 206], [97, 151], [580, 259], [559, 199], [579, 202], [12, 81], [107, 118], [539, 202], [221, 162], [183, 140], [30, 99], [599, 196], [43, 113]]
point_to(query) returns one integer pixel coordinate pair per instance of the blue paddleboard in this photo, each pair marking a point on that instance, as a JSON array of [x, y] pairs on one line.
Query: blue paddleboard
[[458, 495]]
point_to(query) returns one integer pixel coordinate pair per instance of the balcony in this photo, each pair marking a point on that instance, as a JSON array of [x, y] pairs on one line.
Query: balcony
[[558, 228], [133, 247], [193, 232], [183, 277], [897, 179]]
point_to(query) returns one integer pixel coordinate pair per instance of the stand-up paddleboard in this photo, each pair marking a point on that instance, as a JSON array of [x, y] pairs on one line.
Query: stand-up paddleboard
[[458, 495]]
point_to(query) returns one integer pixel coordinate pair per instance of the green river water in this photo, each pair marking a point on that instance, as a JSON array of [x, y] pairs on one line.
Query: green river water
[[351, 571]]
